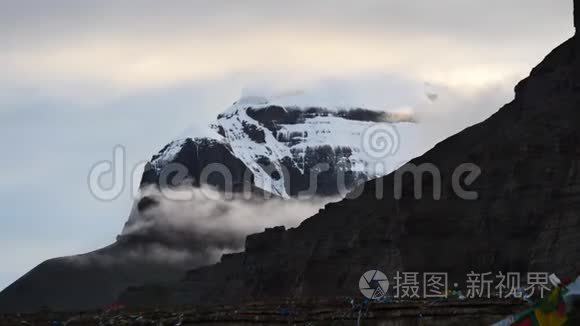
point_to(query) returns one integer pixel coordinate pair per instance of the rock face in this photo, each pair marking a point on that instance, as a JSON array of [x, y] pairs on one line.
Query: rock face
[[576, 14], [526, 216], [194, 155]]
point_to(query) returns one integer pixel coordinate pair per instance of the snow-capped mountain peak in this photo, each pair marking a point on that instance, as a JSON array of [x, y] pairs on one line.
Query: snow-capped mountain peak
[[282, 145]]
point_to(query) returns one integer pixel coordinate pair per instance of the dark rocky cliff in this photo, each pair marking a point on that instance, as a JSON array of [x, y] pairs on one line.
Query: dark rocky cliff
[[194, 155], [526, 216]]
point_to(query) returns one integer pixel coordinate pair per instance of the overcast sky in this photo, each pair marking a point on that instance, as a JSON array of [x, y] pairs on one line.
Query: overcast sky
[[77, 78]]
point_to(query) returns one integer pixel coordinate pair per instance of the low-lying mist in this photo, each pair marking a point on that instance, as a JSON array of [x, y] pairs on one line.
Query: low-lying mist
[[194, 226]]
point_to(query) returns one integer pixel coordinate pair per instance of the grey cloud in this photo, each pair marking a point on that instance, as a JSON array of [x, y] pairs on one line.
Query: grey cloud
[[206, 224], [76, 47], [455, 18]]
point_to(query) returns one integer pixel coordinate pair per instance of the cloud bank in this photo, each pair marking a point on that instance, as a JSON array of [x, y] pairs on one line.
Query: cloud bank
[[198, 230]]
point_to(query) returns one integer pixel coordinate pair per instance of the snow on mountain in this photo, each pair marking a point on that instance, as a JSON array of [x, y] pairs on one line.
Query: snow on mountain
[[249, 142], [278, 141], [168, 154]]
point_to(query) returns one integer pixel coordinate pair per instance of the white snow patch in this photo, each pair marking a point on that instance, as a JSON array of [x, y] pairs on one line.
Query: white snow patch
[[168, 155]]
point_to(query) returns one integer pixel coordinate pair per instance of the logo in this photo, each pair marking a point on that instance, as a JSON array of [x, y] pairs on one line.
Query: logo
[[380, 140], [373, 284]]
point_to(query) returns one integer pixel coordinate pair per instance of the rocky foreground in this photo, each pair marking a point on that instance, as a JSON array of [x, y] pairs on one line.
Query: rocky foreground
[[306, 312]]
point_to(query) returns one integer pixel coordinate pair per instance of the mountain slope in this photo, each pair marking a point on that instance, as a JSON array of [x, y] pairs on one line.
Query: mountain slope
[[526, 217], [88, 281]]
